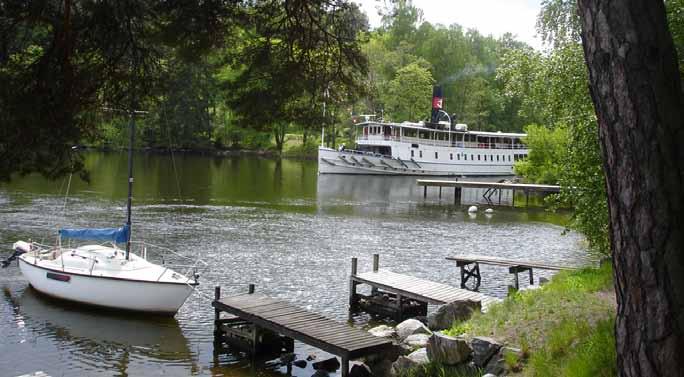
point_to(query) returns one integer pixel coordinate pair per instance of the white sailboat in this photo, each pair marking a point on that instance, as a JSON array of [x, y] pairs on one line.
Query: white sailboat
[[103, 274]]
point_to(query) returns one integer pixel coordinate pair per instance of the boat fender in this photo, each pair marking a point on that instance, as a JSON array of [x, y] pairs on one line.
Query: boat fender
[[489, 211], [472, 209]]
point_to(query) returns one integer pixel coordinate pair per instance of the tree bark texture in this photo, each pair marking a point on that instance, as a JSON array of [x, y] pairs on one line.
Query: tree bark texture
[[636, 90]]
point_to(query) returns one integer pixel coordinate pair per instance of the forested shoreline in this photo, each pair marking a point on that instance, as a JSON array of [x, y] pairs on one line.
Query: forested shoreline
[[405, 57]]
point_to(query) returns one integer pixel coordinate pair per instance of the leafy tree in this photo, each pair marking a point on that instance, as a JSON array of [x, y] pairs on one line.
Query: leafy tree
[[286, 68], [62, 60], [548, 147], [409, 94]]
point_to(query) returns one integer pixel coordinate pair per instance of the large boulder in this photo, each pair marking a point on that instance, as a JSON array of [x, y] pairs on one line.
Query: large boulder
[[411, 361], [457, 311], [330, 365], [483, 349], [417, 340], [411, 327], [448, 350], [360, 370], [383, 331]]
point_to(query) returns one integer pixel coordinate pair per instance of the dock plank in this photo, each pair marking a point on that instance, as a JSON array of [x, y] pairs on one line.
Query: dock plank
[[421, 289], [297, 323], [510, 262]]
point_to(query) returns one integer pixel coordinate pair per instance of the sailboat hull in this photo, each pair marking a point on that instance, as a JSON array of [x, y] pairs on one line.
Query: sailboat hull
[[108, 292]]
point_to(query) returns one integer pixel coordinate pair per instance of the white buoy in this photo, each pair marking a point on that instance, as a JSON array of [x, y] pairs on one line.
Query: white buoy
[[472, 209], [489, 211]]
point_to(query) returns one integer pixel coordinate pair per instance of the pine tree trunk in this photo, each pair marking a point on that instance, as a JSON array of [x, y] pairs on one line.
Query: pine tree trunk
[[636, 89]]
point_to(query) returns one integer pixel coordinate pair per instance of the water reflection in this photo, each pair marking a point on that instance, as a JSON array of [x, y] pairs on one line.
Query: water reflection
[[88, 337]]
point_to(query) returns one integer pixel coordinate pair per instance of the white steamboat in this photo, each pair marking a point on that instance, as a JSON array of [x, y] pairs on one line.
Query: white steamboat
[[417, 149], [436, 148]]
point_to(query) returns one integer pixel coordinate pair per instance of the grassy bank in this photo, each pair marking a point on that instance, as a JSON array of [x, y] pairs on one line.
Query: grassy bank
[[564, 328]]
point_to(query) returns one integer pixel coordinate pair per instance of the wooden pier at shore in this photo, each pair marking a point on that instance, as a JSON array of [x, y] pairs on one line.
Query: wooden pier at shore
[[263, 324], [401, 296], [491, 188], [470, 267]]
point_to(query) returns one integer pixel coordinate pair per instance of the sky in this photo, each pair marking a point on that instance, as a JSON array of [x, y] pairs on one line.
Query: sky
[[494, 17]]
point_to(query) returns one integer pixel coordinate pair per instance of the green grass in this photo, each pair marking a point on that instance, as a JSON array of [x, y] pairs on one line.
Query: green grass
[[439, 370], [565, 328]]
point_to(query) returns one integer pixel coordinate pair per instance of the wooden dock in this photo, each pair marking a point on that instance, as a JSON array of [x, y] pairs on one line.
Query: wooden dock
[[280, 317], [491, 188], [402, 296], [470, 267]]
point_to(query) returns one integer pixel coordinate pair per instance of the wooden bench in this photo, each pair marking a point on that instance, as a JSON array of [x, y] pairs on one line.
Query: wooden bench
[[514, 267], [400, 296], [280, 317]]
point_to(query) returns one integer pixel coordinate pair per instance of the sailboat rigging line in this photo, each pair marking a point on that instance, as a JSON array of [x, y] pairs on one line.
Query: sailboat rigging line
[[173, 159]]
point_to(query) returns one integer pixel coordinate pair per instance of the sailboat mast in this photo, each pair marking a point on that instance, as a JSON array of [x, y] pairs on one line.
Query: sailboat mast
[[130, 181]]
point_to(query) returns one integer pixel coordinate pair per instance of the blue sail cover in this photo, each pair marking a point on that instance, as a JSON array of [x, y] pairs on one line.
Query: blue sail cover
[[118, 235]]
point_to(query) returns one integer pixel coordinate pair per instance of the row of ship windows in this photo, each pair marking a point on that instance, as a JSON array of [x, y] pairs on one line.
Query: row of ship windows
[[516, 157]]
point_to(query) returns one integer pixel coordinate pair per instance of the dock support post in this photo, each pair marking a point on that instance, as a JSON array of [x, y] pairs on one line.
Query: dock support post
[[251, 289], [424, 191], [457, 195], [344, 372], [376, 267], [217, 296], [500, 196], [399, 314], [527, 198], [352, 285], [517, 284], [513, 200], [531, 277], [440, 192]]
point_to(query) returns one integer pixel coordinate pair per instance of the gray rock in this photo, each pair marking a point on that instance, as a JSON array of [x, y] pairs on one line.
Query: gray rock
[[497, 364], [413, 360], [419, 356], [360, 370], [320, 373], [331, 364], [483, 349], [381, 368], [448, 350], [543, 280], [383, 331], [417, 340], [411, 327], [300, 363], [447, 314]]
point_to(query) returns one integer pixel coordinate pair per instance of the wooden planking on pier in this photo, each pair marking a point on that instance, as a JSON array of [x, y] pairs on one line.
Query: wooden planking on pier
[[490, 188], [420, 289], [499, 185], [514, 267], [509, 262], [282, 317]]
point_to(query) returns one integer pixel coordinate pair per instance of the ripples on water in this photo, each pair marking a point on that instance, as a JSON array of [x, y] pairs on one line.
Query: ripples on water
[[283, 228]]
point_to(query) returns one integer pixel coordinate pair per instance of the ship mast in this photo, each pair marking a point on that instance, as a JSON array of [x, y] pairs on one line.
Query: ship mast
[[130, 181]]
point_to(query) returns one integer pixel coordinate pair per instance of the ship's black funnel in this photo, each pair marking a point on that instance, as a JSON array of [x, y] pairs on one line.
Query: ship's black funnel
[[436, 103]]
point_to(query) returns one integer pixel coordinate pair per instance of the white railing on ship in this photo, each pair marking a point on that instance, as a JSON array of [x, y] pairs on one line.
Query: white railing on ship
[[442, 143]]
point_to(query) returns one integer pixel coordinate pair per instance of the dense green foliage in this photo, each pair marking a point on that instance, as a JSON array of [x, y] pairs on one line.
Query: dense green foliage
[[544, 162], [565, 328]]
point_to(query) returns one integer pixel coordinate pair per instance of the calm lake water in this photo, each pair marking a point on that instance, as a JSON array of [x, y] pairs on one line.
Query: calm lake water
[[276, 224]]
